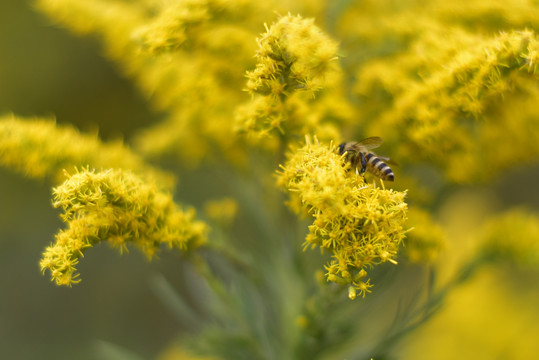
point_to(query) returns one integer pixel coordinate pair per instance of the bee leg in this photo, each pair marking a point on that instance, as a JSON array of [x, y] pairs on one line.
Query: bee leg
[[363, 163]]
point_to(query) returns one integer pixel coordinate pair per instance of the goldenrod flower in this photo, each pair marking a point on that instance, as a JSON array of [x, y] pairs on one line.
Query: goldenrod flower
[[453, 114], [39, 148], [222, 211], [513, 237], [427, 239], [360, 224], [169, 29], [293, 55], [179, 54], [120, 208], [295, 60]]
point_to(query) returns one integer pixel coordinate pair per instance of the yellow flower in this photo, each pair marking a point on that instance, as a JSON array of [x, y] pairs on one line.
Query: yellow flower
[[293, 55], [170, 28], [222, 211], [514, 237], [178, 53], [295, 61], [427, 239], [360, 224], [120, 208], [39, 148], [452, 114]]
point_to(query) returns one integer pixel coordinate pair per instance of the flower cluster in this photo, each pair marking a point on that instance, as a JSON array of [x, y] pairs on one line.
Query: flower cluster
[[222, 211], [178, 54], [293, 55], [452, 113], [513, 237], [359, 224], [171, 27], [120, 208], [40, 148], [295, 60], [427, 240]]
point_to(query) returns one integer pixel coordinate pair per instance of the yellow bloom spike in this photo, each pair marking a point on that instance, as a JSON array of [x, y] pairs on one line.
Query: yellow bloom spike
[[293, 55], [295, 60], [360, 224], [513, 237], [453, 114], [118, 207], [40, 148], [427, 240], [178, 54], [170, 28], [222, 211]]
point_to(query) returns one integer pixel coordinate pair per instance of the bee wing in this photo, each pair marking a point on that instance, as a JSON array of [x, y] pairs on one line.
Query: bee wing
[[371, 142], [388, 160]]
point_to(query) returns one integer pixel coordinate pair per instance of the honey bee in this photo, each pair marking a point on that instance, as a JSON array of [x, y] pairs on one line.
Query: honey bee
[[362, 159]]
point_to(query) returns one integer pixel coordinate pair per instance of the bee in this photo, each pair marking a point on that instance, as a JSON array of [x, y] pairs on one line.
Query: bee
[[362, 159]]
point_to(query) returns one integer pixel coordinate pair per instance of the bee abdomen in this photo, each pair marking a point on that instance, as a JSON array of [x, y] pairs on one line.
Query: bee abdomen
[[378, 167]]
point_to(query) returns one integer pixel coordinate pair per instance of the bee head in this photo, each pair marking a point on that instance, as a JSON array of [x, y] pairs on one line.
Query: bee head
[[341, 148]]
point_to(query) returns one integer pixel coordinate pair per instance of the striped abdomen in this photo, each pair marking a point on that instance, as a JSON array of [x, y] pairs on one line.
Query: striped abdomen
[[378, 167]]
